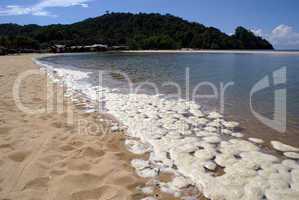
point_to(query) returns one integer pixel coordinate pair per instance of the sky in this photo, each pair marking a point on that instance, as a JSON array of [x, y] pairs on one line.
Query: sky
[[275, 20]]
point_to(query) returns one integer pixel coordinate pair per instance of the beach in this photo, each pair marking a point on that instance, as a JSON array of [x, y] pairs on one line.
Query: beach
[[203, 149], [43, 157], [141, 146]]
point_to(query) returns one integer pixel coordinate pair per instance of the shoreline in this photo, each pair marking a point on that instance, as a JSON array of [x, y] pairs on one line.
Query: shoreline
[[274, 52], [135, 146], [210, 142], [277, 52], [42, 155], [53, 155]]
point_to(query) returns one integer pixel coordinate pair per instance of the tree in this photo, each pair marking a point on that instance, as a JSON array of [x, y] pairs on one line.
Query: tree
[[138, 31], [249, 40]]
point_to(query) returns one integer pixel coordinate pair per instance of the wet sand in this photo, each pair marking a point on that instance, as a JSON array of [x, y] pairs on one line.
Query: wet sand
[[42, 156]]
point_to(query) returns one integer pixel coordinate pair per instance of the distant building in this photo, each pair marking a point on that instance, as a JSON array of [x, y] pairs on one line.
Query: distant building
[[58, 48], [97, 47], [89, 48], [119, 48], [77, 49], [187, 49]]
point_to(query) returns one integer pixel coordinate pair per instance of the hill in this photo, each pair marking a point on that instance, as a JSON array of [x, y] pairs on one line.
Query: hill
[[138, 31]]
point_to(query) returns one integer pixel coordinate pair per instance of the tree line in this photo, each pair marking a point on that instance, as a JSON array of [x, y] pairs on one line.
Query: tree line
[[138, 31]]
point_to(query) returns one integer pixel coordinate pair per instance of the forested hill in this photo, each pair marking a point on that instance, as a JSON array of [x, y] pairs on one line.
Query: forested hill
[[138, 31]]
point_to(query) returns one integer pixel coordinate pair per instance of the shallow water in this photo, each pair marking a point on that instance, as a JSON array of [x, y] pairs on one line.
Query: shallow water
[[243, 70]]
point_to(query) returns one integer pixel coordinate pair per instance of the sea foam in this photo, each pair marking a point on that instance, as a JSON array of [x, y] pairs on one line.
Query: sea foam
[[200, 148]]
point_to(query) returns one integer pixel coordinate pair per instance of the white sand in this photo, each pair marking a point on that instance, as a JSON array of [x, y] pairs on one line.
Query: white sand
[[42, 157]]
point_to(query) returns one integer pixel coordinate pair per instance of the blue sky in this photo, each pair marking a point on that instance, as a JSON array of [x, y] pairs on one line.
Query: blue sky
[[276, 20]]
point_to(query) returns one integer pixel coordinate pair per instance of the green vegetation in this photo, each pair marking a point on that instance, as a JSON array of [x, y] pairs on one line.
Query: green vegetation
[[249, 40], [138, 31]]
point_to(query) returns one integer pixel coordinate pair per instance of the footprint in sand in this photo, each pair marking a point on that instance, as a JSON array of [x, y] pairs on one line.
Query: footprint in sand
[[57, 172], [44, 117], [2, 121], [125, 180], [63, 137], [67, 147], [104, 193], [43, 166], [36, 99], [52, 158], [57, 124], [40, 182], [91, 152], [6, 147], [18, 156], [76, 143], [60, 164], [4, 131], [62, 125], [78, 165], [82, 180]]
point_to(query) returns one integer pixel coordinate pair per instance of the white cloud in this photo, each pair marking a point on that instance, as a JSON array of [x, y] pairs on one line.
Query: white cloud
[[40, 8], [281, 37], [60, 3], [15, 10], [257, 32], [42, 13], [84, 5], [284, 35]]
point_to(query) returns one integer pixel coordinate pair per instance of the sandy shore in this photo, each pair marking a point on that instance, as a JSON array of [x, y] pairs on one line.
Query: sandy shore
[[203, 149], [44, 157], [53, 155]]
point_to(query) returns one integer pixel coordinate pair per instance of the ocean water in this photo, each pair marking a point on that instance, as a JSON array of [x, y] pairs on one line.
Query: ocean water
[[198, 76]]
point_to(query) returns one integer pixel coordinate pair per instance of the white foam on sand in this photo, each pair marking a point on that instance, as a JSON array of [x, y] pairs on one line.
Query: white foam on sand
[[194, 145]]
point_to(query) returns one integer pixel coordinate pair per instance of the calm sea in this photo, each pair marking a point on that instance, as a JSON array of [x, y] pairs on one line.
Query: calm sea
[[202, 77]]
